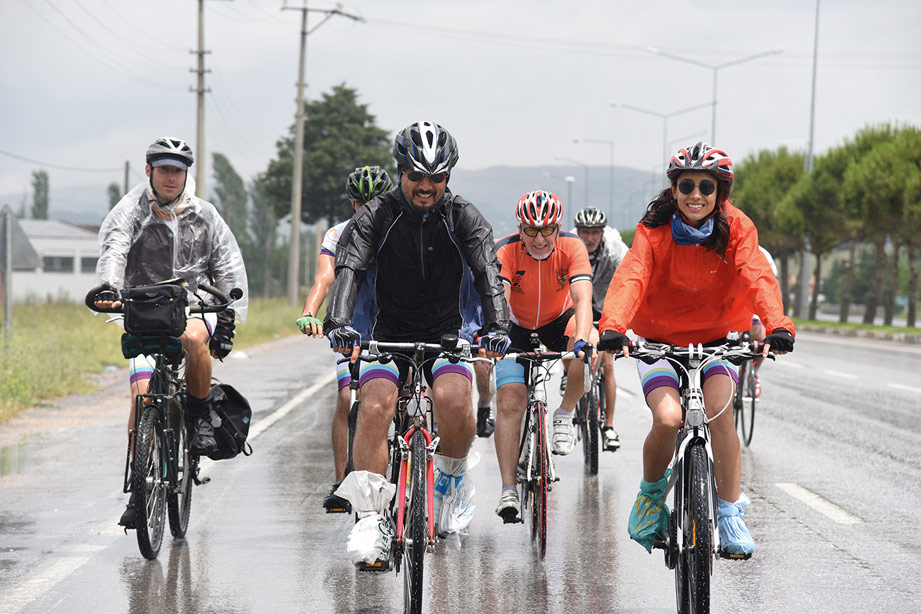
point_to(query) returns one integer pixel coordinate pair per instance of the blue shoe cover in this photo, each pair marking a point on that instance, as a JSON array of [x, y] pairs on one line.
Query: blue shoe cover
[[649, 516], [735, 540]]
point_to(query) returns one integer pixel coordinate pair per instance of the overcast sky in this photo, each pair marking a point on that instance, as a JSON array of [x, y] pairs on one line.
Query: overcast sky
[[88, 84]]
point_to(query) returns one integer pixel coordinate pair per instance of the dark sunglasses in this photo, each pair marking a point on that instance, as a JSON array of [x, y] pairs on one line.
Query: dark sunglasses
[[416, 176], [532, 231], [706, 187]]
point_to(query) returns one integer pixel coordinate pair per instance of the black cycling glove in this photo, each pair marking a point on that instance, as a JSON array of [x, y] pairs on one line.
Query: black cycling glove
[[781, 340], [612, 341], [222, 339], [496, 341], [343, 337]]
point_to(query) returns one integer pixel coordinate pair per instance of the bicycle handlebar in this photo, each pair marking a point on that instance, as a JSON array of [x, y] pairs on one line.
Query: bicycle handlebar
[[110, 293], [733, 351]]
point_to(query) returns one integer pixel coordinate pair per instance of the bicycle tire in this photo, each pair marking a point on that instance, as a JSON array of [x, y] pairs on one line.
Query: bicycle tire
[[592, 442], [698, 538], [415, 547], [179, 499], [149, 483], [542, 478], [747, 411]]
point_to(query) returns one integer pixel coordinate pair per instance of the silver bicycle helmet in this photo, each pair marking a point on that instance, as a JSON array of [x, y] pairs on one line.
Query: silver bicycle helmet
[[167, 151], [590, 217]]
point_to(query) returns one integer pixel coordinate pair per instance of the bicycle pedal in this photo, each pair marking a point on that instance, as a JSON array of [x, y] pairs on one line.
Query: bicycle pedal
[[377, 566], [338, 510], [734, 557]]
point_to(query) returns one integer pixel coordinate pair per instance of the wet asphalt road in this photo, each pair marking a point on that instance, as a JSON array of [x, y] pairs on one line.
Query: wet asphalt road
[[833, 473]]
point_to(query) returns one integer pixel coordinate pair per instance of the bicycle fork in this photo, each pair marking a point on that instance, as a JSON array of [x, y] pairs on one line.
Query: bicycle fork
[[405, 460]]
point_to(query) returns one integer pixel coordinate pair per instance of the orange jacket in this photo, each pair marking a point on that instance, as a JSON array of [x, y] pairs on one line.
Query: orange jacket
[[683, 294]]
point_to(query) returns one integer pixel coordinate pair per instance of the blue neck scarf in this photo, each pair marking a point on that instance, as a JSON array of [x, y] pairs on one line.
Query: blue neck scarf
[[686, 234]]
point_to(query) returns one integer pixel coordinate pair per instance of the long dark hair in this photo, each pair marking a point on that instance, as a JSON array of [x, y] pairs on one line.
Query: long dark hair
[[661, 209]]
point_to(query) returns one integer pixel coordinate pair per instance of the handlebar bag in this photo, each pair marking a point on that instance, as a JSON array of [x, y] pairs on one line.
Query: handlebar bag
[[155, 310], [231, 426]]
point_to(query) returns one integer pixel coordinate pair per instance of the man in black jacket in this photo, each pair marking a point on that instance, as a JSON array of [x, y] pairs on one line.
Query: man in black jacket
[[424, 245]]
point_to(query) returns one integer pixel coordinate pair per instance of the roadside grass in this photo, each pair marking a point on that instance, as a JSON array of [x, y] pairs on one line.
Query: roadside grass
[[55, 348], [858, 326]]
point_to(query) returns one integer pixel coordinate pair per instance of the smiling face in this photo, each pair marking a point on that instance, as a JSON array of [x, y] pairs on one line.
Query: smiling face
[[167, 181], [423, 193], [696, 205], [539, 247]]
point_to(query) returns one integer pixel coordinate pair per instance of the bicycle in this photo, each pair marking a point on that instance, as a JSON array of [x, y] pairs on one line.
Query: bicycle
[[693, 537], [536, 472], [412, 451], [744, 401], [162, 470]]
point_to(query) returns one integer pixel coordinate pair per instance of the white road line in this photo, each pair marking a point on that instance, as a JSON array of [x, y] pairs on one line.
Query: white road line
[[36, 586], [840, 374], [29, 590], [904, 387], [819, 504], [785, 362]]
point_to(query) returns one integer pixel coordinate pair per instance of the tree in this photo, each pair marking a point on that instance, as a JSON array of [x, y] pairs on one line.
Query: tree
[[908, 148], [761, 182], [40, 195], [231, 196], [115, 194], [875, 187], [339, 134], [260, 251]]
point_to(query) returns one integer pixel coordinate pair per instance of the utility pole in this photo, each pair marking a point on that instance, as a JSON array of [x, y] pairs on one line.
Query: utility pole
[[297, 174], [200, 97], [127, 167]]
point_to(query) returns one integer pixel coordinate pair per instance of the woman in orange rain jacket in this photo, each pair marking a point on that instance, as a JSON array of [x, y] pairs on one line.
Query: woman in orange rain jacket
[[694, 273]]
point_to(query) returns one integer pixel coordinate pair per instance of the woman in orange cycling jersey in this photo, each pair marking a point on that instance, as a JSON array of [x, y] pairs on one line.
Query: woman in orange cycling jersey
[[693, 274]]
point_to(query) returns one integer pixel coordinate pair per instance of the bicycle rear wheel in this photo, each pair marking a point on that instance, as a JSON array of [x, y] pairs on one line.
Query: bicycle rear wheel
[[149, 482], [698, 538], [179, 499], [747, 402], [737, 397], [541, 483], [417, 527]]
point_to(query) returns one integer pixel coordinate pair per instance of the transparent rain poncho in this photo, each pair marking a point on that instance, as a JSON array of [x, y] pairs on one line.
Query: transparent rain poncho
[[194, 243]]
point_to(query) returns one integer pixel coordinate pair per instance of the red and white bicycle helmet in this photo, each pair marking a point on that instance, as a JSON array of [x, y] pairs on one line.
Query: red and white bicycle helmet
[[701, 157], [539, 208]]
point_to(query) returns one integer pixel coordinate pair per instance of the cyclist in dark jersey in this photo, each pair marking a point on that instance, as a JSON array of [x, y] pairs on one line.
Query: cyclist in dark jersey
[[419, 241]]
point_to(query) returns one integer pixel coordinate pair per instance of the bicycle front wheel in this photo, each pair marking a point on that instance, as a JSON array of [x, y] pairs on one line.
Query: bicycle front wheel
[[541, 481], [592, 431], [179, 499], [149, 482], [417, 527], [747, 404], [698, 537]]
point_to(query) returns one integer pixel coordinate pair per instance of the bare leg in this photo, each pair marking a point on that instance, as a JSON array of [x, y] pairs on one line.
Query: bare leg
[[340, 432], [727, 455], [511, 402], [660, 442], [378, 398]]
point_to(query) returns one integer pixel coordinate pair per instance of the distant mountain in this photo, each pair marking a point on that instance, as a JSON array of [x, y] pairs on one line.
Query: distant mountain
[[494, 191]]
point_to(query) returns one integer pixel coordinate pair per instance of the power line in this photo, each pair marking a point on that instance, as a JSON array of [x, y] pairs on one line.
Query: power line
[[78, 169]]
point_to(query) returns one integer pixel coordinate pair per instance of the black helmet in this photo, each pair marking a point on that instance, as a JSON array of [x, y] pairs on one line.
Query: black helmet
[[590, 217], [701, 157], [367, 182], [425, 147], [167, 151]]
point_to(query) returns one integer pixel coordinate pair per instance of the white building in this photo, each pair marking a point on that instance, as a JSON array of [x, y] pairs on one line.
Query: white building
[[67, 254]]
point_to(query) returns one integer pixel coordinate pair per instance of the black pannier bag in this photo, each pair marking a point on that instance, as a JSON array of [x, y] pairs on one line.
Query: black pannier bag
[[155, 310], [234, 414]]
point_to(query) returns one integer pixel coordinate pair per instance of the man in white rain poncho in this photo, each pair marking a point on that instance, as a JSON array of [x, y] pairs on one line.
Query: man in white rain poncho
[[158, 231]]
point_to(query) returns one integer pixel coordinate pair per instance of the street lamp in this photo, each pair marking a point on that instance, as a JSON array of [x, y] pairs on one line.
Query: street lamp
[[611, 162], [569, 179], [583, 165], [664, 116], [715, 68]]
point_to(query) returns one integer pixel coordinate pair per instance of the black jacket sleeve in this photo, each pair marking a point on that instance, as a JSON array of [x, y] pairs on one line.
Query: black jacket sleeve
[[353, 255], [479, 246]]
